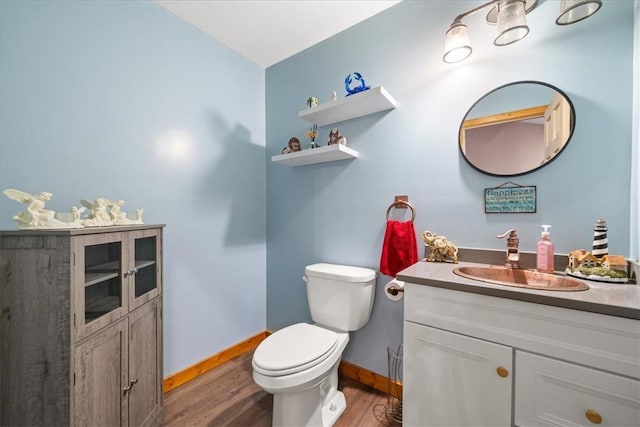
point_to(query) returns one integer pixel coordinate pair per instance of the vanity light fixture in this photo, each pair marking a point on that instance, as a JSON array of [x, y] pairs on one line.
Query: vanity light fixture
[[457, 45], [510, 18], [572, 11], [512, 24]]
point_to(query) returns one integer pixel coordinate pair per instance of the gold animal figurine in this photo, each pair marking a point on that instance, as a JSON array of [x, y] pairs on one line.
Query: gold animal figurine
[[439, 248]]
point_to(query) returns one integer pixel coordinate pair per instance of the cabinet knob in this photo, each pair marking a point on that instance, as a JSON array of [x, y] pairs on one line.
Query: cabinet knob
[[593, 416], [502, 371]]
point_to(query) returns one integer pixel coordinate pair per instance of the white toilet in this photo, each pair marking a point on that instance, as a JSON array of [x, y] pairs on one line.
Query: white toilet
[[299, 364]]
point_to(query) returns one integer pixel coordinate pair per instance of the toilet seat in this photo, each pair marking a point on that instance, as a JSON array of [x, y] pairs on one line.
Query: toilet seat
[[293, 349]]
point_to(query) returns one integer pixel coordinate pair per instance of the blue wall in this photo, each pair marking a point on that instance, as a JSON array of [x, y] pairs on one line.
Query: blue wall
[[335, 212], [123, 100]]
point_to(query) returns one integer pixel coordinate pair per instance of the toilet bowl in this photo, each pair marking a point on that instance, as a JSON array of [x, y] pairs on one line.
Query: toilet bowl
[[304, 384], [299, 363]]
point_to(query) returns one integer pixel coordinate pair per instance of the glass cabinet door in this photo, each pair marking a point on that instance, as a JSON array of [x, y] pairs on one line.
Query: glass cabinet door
[[103, 283], [100, 296], [145, 271]]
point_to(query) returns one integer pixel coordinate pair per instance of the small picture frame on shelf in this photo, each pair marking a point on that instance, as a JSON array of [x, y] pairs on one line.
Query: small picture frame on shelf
[[292, 146], [336, 138]]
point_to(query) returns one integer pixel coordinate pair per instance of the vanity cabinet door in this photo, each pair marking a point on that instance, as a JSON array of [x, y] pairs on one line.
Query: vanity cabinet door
[[455, 380], [552, 392]]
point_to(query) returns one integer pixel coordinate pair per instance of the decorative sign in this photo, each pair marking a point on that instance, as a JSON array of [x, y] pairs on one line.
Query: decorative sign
[[510, 198]]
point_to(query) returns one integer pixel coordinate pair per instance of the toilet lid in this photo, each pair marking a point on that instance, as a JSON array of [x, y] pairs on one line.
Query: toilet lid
[[294, 348]]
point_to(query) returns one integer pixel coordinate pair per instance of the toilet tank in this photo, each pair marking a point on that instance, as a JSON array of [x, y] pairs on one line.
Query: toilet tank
[[340, 296]]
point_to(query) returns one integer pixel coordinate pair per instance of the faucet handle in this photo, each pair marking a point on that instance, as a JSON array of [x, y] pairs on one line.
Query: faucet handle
[[511, 233], [513, 256]]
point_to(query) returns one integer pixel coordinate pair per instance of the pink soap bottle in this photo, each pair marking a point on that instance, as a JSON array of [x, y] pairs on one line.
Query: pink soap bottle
[[544, 252]]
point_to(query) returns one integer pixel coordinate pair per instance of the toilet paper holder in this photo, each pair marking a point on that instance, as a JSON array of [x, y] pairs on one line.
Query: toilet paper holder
[[392, 290]]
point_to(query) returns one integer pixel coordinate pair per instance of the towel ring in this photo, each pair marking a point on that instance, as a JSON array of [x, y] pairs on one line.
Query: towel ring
[[413, 211]]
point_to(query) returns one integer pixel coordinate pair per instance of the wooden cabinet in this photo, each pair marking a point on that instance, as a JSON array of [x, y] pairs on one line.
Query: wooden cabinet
[[477, 360], [81, 326]]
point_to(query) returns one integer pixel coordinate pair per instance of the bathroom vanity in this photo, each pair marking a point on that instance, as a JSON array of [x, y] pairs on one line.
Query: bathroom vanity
[[482, 354]]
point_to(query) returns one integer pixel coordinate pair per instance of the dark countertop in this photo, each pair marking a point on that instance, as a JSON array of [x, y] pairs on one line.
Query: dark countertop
[[620, 300]]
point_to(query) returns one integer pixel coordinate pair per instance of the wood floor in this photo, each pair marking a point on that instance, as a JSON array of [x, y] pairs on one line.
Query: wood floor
[[227, 396]]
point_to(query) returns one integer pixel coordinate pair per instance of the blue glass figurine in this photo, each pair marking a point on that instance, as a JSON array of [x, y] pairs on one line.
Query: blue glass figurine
[[358, 77]]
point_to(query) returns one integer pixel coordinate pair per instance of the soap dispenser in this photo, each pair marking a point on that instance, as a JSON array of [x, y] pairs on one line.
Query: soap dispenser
[[544, 252]]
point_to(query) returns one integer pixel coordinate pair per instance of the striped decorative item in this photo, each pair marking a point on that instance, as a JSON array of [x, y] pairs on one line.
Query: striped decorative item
[[600, 244]]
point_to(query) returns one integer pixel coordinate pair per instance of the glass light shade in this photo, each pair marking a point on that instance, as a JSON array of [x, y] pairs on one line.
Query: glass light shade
[[492, 16], [572, 11], [512, 23], [457, 45]]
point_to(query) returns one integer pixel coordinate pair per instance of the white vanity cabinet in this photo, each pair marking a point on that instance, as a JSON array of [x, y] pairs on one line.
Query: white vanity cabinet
[[556, 392], [472, 359], [444, 372]]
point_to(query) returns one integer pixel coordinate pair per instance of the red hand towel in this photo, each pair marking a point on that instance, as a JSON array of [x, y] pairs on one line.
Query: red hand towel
[[399, 249]]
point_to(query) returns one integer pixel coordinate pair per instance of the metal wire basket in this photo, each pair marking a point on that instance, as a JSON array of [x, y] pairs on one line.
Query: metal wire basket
[[393, 409]]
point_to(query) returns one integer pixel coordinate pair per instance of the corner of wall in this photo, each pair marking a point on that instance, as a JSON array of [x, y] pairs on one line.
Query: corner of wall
[[635, 144]]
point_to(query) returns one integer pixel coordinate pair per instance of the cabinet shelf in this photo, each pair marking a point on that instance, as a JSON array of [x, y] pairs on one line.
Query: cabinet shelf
[[105, 266], [328, 153], [360, 104], [95, 278], [141, 263]]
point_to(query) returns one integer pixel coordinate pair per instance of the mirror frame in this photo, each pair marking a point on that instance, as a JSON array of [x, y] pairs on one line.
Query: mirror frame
[[523, 113]]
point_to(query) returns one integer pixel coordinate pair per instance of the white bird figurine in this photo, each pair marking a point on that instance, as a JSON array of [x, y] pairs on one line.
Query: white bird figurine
[[35, 216]]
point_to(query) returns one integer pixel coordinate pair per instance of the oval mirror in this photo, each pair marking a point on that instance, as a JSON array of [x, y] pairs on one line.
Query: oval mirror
[[517, 128]]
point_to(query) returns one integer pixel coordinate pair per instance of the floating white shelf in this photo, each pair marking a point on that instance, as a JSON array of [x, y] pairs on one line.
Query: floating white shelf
[[328, 153], [361, 104]]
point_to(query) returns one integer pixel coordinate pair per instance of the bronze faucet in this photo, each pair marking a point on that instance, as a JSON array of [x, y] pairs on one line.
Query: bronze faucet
[[513, 255]]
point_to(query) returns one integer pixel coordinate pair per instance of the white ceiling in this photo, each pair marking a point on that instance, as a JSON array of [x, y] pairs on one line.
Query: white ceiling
[[268, 31]]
